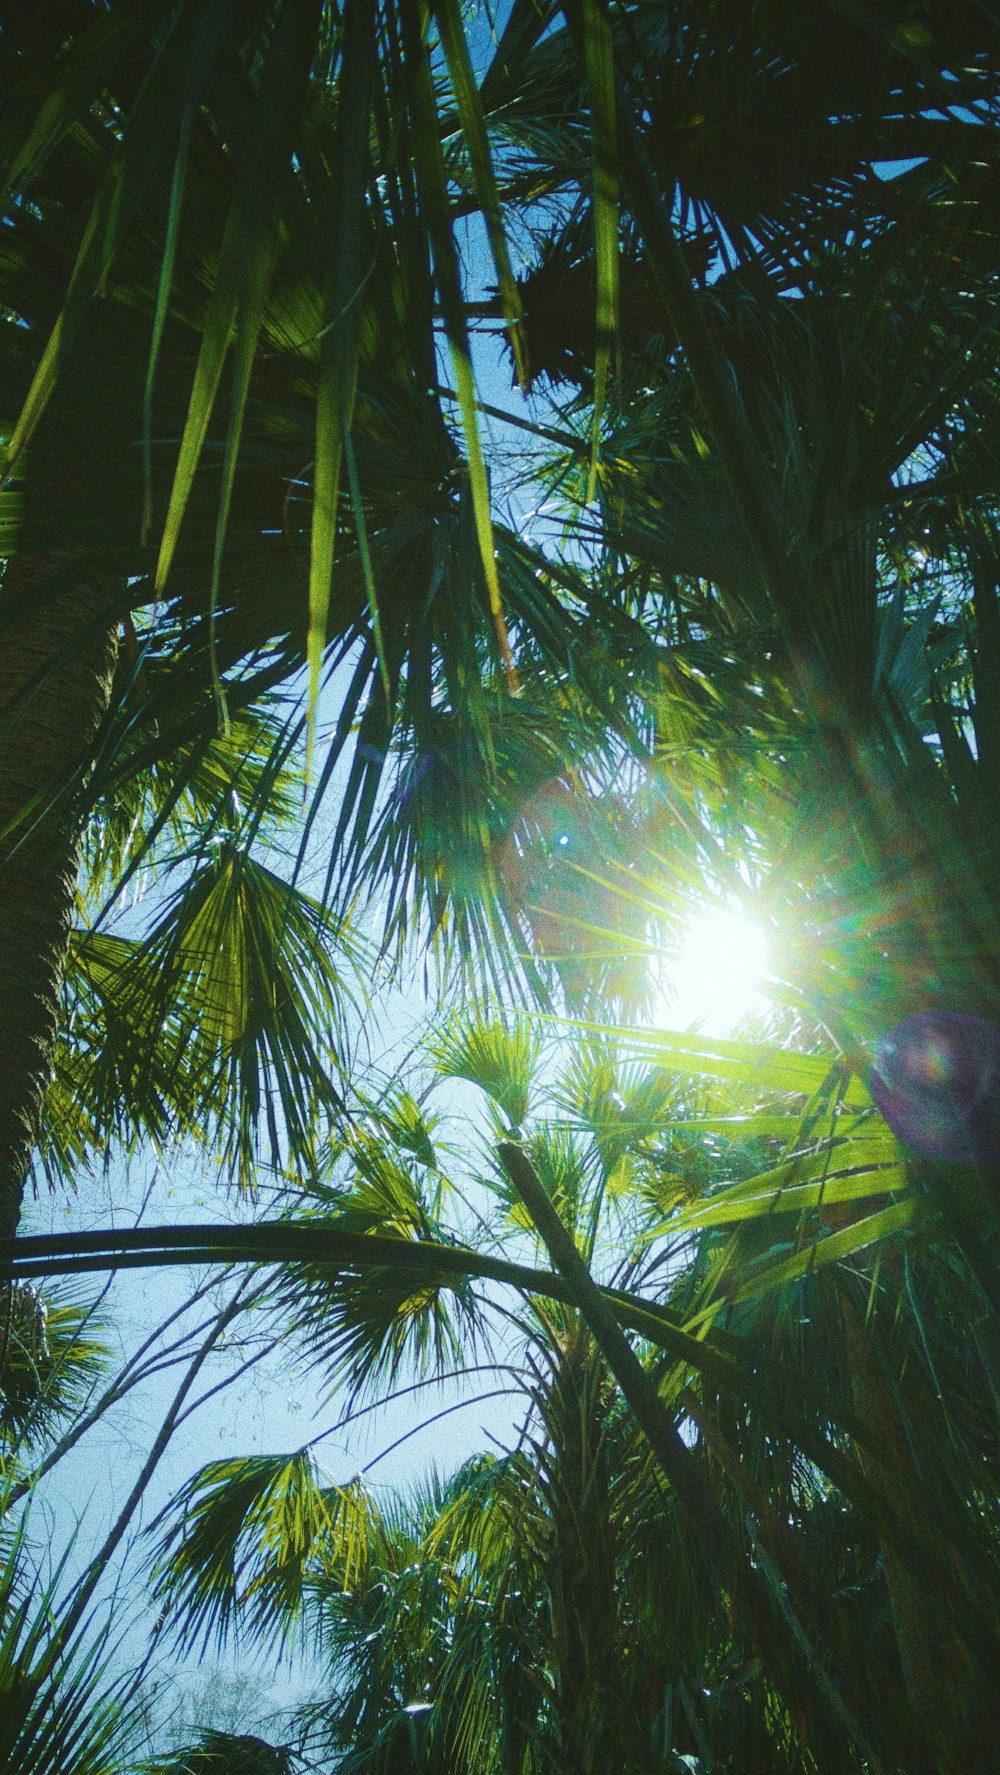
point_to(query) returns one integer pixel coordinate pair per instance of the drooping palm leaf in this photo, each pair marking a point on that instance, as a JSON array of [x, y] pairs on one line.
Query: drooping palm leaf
[[242, 1541]]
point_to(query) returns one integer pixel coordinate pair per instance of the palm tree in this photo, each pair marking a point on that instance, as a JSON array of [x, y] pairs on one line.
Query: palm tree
[[482, 1628], [770, 479], [787, 490], [201, 659]]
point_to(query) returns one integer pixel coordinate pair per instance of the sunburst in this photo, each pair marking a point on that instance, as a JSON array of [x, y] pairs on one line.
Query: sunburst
[[716, 977]]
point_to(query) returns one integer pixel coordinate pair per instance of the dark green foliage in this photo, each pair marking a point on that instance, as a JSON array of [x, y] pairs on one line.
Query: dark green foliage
[[227, 1753], [746, 258]]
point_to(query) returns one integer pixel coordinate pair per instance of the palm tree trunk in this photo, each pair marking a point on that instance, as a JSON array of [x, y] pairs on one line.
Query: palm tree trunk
[[595, 1727], [57, 655]]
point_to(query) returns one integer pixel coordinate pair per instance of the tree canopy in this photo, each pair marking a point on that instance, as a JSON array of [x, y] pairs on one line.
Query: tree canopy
[[707, 611]]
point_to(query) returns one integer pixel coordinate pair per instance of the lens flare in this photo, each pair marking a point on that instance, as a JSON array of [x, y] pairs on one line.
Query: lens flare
[[936, 1080]]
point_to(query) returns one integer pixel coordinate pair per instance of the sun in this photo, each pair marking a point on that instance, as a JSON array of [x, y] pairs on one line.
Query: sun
[[715, 978]]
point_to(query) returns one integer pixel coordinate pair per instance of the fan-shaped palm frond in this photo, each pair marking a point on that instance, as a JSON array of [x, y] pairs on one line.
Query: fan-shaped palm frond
[[245, 1538], [226, 1022], [243, 777], [501, 1060], [52, 1349]]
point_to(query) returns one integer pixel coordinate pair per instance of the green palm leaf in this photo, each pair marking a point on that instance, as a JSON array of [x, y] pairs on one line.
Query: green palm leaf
[[244, 1539], [227, 1020]]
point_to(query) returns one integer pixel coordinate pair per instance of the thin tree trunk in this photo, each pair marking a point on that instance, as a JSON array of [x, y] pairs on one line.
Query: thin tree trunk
[[57, 655]]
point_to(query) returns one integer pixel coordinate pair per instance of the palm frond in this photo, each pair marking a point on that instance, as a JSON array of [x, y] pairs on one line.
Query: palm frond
[[52, 1349], [499, 1059], [224, 1753], [242, 1541], [227, 1021]]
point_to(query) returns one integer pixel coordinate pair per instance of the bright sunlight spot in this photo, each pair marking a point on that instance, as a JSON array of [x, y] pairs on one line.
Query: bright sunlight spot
[[715, 979]]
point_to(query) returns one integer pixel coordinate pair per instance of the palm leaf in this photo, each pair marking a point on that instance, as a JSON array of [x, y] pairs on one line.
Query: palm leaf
[[242, 1541], [759, 1065], [227, 1020], [183, 60], [341, 335], [52, 1350], [500, 1060], [448, 17], [431, 179], [244, 270]]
